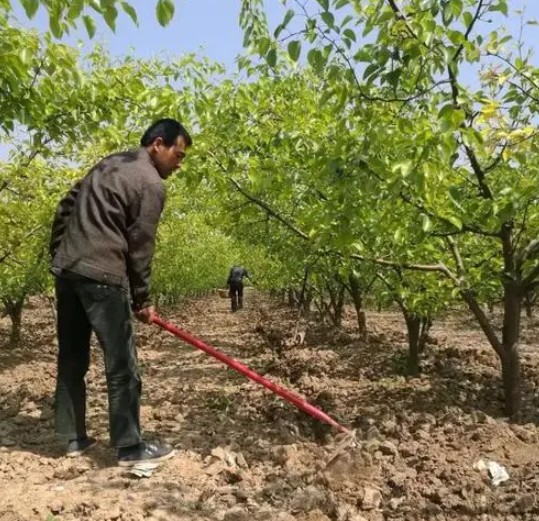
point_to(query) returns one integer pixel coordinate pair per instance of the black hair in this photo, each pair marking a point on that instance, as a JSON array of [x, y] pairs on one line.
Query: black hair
[[169, 130]]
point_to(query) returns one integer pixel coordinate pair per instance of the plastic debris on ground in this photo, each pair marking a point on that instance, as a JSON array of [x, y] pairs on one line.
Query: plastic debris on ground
[[143, 470], [496, 472]]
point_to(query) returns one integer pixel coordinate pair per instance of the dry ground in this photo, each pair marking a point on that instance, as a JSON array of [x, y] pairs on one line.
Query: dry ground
[[244, 455]]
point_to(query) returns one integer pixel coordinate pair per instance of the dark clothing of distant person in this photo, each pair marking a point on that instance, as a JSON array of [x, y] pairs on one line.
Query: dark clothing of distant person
[[235, 284]]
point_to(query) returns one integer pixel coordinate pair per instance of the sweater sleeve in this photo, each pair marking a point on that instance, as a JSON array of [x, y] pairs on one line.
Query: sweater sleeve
[[61, 218], [141, 243]]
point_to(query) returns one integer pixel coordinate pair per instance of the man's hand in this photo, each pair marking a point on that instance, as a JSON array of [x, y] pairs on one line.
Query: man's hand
[[145, 314]]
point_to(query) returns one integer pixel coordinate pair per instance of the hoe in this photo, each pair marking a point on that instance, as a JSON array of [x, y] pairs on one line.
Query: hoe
[[349, 438]]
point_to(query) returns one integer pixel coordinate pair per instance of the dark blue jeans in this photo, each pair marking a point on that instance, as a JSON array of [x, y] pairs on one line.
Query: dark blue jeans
[[85, 305]]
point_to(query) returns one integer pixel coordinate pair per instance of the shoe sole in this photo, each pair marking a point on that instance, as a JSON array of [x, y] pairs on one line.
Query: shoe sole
[[132, 463], [78, 453]]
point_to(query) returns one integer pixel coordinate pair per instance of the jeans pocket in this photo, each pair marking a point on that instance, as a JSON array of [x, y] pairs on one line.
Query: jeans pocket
[[98, 292]]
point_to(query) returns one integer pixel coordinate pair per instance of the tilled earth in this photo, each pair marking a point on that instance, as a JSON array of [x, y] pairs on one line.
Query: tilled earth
[[242, 454]]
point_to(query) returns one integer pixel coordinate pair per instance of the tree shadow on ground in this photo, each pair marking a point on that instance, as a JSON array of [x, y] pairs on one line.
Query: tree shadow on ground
[[33, 431], [467, 379], [12, 356], [460, 373]]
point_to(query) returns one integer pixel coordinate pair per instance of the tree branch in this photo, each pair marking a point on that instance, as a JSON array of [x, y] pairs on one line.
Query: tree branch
[[469, 29], [456, 255], [483, 320], [474, 162], [507, 247], [394, 293], [399, 15], [465, 227], [267, 208], [521, 74], [439, 268]]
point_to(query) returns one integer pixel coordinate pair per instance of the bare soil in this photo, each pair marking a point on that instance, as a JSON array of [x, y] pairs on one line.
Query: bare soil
[[243, 454]]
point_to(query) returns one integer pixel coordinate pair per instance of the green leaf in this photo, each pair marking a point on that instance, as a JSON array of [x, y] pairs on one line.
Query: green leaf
[[393, 77], [451, 118], [370, 70], [350, 34], [30, 7], [456, 7], [316, 59], [25, 55], [501, 6], [130, 11], [447, 14], [328, 18], [363, 55], [294, 50], [110, 16], [90, 25], [286, 20], [457, 38], [263, 45], [271, 58], [165, 11], [458, 117], [455, 196], [455, 221], [75, 10], [54, 24], [346, 20], [327, 94], [287, 17], [324, 4], [405, 168], [427, 223]]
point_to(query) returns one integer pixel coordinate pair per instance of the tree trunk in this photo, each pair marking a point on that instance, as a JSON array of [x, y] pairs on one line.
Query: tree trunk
[[307, 301], [305, 296], [292, 298], [357, 297], [413, 326], [14, 312], [418, 327], [507, 349], [512, 380], [426, 324], [336, 306], [529, 301]]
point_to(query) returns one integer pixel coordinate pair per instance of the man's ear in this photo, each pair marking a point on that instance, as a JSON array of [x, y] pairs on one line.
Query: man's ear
[[157, 142]]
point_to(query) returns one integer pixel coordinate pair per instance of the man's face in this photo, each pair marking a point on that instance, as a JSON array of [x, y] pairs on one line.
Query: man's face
[[167, 159]]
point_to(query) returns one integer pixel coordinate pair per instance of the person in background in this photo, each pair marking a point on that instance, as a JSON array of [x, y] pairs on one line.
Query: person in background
[[102, 245], [235, 285]]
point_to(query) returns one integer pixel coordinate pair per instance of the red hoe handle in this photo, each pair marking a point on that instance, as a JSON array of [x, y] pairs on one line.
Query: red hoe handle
[[287, 395]]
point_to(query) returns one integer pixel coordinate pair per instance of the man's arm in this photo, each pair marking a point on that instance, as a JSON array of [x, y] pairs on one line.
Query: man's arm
[[141, 244], [61, 218]]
